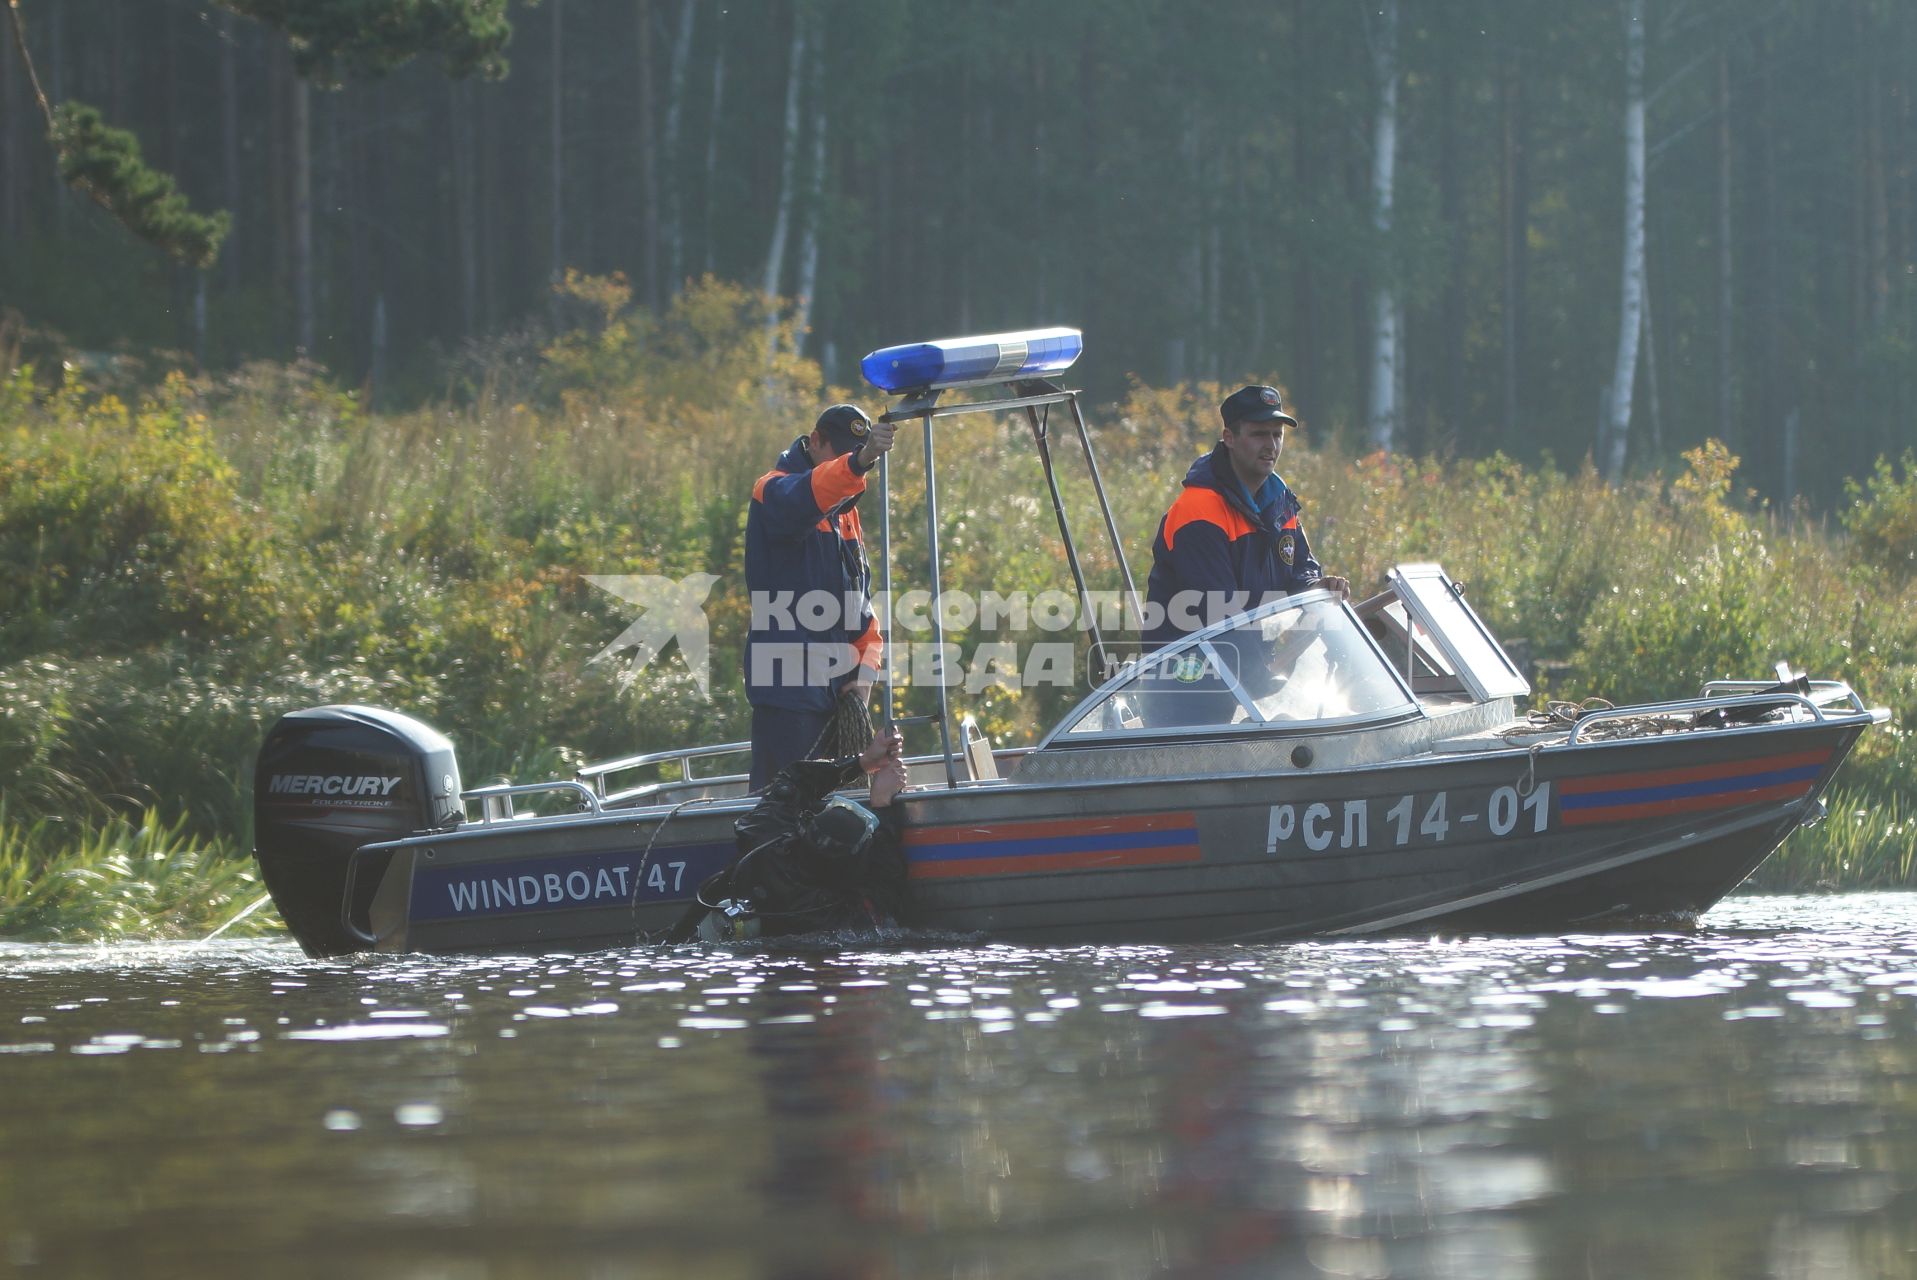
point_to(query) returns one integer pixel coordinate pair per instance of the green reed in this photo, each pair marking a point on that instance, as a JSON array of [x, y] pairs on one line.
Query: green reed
[[1868, 840], [120, 877]]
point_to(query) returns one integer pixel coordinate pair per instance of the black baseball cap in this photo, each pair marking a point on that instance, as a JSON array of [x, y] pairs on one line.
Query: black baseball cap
[[1254, 404], [845, 425]]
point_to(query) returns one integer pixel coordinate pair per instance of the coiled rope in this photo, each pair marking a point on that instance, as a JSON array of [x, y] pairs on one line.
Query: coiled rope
[[1558, 714]]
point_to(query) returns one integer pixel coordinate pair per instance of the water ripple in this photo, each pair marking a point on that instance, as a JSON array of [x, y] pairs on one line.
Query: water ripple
[[1743, 1095]]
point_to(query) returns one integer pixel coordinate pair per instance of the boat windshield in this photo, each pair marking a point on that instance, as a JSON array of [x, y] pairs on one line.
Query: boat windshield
[[1300, 660]]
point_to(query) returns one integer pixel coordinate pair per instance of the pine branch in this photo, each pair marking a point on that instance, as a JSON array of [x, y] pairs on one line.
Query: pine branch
[[333, 40], [104, 162], [33, 74]]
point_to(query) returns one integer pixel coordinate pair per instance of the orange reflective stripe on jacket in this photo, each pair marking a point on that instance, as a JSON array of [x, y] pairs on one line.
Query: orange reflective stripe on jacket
[[1207, 505], [870, 645], [832, 482]]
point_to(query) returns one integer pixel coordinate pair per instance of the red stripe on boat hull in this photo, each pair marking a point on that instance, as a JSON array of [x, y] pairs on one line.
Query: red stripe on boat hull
[[1017, 864], [1692, 773], [1685, 804]]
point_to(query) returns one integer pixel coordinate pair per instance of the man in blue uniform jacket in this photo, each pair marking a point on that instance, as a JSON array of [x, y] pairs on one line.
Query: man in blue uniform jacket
[[1233, 538], [814, 638]]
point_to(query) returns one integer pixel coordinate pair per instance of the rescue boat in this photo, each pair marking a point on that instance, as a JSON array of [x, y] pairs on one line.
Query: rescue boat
[[1378, 775]]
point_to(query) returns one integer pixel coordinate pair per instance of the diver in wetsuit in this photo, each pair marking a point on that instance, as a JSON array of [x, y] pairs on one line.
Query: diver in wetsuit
[[810, 860]]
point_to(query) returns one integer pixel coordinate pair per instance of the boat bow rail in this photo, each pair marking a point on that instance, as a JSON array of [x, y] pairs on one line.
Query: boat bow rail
[[1829, 689], [1716, 699]]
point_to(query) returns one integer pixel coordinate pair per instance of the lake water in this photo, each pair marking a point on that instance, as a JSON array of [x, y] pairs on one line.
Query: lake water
[[1738, 1101]]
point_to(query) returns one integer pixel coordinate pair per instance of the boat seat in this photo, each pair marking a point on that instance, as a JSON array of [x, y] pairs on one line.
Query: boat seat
[[978, 751]]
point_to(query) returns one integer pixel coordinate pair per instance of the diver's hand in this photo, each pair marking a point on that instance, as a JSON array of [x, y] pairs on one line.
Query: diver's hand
[[887, 782], [1331, 582], [887, 745]]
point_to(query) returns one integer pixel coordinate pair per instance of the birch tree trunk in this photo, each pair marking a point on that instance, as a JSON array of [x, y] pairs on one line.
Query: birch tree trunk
[[1211, 325], [1384, 163], [814, 199], [648, 162], [465, 144], [788, 172], [13, 165], [376, 357], [1770, 388], [1615, 437], [1305, 319], [1041, 183], [964, 275], [188, 282], [199, 319], [1653, 407], [328, 200], [1514, 207], [488, 207], [1877, 204], [1190, 270], [1245, 236], [1452, 311], [674, 230], [1726, 300], [13, 162], [305, 323], [712, 147], [57, 74], [558, 145], [230, 145]]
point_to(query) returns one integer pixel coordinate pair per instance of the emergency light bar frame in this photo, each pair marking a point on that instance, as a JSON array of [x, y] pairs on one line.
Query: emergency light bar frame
[[981, 360], [1027, 395]]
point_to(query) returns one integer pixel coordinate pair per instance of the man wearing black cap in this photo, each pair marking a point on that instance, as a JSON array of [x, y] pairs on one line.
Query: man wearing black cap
[[1232, 539], [813, 638]]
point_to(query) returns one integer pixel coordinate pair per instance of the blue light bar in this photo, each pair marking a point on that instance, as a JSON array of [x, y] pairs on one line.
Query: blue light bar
[[955, 362]]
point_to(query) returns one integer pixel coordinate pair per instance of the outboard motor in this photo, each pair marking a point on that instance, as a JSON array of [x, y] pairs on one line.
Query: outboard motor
[[330, 779]]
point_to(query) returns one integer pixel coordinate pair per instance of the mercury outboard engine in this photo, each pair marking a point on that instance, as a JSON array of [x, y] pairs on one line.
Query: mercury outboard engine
[[330, 779]]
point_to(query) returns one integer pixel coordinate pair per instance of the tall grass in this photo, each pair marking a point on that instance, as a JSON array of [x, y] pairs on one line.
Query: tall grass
[[177, 571], [1866, 841], [120, 877]]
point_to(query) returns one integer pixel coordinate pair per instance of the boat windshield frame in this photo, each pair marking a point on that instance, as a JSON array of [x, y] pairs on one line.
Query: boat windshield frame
[[1446, 619], [1203, 642]]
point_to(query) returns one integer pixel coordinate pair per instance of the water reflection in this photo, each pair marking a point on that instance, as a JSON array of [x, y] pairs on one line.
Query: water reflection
[[1739, 1101]]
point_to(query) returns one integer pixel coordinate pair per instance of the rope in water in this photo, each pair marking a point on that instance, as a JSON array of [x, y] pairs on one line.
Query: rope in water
[[243, 913]]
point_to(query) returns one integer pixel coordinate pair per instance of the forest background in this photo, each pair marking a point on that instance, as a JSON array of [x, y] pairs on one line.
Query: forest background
[[470, 339]]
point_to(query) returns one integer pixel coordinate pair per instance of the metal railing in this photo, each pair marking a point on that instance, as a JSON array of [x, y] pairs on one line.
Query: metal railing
[[1717, 688], [496, 801], [595, 775], [1691, 706]]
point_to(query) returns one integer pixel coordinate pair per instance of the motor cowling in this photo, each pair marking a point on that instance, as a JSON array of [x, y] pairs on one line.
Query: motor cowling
[[329, 780]]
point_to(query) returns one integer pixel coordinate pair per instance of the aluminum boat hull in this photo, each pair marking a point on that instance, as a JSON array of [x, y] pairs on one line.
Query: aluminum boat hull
[[1553, 837]]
